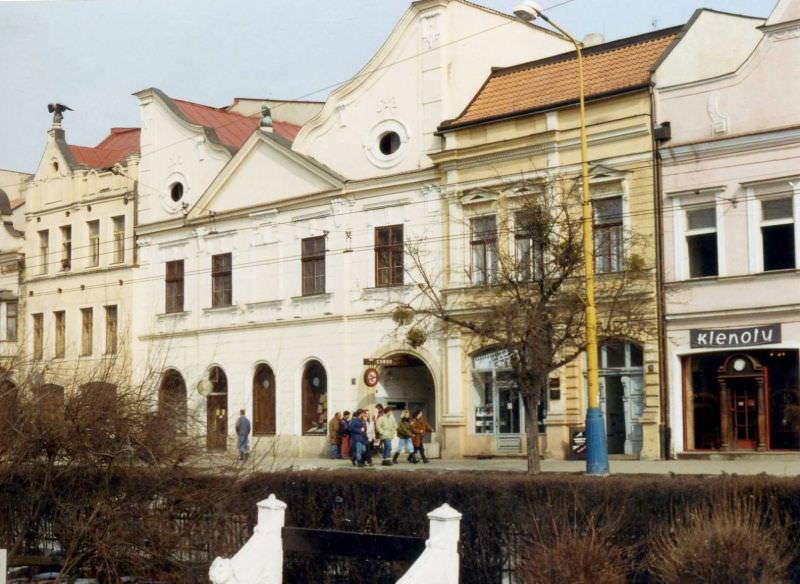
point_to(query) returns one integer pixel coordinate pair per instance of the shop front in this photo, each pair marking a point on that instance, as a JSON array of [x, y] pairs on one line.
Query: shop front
[[741, 398]]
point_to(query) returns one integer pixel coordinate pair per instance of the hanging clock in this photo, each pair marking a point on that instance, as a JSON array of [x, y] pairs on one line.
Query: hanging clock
[[371, 377]]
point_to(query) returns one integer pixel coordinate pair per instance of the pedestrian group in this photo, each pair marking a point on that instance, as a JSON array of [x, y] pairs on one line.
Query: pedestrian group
[[358, 435]]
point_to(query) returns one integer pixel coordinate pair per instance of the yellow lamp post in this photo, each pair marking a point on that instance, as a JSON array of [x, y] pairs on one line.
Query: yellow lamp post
[[597, 451]]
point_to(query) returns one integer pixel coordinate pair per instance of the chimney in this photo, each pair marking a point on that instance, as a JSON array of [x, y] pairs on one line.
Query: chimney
[[593, 38]]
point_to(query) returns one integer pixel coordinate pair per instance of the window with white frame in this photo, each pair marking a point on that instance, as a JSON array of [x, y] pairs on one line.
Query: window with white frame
[[118, 225], [777, 234], [701, 242], [529, 243], [93, 230], [483, 247], [44, 250], [608, 234]]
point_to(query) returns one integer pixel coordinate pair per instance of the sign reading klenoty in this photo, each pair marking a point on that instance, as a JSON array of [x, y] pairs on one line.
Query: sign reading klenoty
[[742, 337]]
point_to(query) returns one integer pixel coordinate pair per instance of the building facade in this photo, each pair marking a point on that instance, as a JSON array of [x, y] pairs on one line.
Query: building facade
[[731, 199]]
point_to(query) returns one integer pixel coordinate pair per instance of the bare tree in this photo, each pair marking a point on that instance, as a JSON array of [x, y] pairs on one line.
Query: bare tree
[[527, 295]]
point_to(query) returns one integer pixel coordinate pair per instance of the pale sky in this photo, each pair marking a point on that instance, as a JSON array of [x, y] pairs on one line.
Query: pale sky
[[92, 54]]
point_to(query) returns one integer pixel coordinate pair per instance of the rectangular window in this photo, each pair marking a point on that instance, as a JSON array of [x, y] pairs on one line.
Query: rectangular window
[[608, 249], [529, 240], [61, 333], [38, 336], [701, 240], [313, 265], [12, 311], [389, 256], [44, 250], [777, 234], [483, 244], [174, 286], [118, 224], [111, 330], [87, 328], [221, 280], [93, 228], [66, 248]]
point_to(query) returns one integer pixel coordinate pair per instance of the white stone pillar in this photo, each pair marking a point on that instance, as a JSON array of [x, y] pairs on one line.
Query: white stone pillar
[[260, 561], [439, 563], [455, 391], [3, 566]]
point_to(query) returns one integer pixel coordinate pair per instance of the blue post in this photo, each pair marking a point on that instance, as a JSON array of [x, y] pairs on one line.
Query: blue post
[[596, 449]]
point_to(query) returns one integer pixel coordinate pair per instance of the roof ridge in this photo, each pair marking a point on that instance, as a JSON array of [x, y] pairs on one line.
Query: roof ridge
[[221, 110], [589, 51]]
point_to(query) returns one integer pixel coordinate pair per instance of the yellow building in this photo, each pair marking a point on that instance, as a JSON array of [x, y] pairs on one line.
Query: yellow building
[[522, 130]]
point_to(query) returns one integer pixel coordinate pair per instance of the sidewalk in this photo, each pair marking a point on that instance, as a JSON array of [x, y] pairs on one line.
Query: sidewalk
[[776, 466]]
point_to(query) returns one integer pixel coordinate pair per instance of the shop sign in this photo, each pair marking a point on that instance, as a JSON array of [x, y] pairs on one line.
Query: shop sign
[[577, 444], [743, 337], [386, 362]]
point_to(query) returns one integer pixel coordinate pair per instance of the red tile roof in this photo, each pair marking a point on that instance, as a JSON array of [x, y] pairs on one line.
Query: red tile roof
[[112, 149], [232, 129], [608, 68]]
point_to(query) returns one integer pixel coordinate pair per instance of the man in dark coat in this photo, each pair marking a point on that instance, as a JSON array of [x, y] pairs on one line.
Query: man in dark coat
[[358, 438], [243, 435]]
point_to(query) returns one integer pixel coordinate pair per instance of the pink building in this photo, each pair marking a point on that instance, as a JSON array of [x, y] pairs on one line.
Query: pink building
[[730, 211]]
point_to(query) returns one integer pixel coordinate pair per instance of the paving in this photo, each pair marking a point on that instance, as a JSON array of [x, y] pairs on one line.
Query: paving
[[775, 466]]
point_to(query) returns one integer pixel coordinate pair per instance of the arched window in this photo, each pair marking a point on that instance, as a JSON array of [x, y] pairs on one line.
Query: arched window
[[217, 410], [315, 399], [172, 400], [263, 400]]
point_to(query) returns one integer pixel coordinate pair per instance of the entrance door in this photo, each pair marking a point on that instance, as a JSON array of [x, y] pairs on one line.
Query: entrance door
[[615, 414], [217, 421], [744, 406]]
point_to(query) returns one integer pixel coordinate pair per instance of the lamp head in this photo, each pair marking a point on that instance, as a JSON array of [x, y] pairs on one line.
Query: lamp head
[[528, 10]]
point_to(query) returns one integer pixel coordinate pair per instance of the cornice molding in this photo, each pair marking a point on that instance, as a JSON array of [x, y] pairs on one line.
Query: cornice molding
[[730, 146]]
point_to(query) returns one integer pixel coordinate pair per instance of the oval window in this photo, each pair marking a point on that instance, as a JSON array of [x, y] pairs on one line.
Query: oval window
[[389, 143], [176, 192]]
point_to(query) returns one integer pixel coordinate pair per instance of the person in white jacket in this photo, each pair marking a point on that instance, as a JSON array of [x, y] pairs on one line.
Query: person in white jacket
[[387, 430]]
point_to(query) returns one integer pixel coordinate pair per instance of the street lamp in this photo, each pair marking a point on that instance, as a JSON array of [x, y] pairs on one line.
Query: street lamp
[[597, 452]]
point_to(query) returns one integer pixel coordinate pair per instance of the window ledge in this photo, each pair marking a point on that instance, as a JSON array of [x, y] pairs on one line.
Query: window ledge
[[325, 296], [167, 315], [748, 276], [393, 288], [265, 303], [221, 309]]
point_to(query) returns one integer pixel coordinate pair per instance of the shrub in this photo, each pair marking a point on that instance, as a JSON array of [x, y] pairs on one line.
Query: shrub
[[731, 541]]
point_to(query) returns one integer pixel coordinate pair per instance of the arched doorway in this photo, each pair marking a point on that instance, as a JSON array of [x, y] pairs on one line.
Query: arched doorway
[[406, 383], [217, 410], [315, 399], [172, 398], [622, 395], [263, 400]]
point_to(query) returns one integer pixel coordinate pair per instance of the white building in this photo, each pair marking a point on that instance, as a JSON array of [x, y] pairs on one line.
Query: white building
[[270, 258], [731, 224]]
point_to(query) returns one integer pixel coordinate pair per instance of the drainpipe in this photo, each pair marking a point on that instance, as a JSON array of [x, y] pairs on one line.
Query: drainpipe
[[664, 429]]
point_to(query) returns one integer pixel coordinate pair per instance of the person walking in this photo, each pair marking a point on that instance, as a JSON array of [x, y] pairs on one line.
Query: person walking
[[242, 428], [404, 436], [369, 420], [344, 434], [387, 430], [420, 427], [358, 437], [333, 436]]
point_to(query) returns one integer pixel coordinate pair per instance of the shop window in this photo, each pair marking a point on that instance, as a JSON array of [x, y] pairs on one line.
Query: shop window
[[608, 245], [264, 400], [174, 287], [60, 333], [315, 399], [93, 228], [777, 234], [701, 240], [221, 280], [529, 243], [389, 256], [66, 248], [313, 265], [483, 246]]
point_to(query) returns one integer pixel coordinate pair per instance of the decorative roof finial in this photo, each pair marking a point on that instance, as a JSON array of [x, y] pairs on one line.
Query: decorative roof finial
[[58, 109], [266, 118]]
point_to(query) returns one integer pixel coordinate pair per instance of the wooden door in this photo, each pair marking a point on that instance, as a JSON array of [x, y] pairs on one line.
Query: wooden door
[[744, 411], [217, 421], [615, 414], [264, 401]]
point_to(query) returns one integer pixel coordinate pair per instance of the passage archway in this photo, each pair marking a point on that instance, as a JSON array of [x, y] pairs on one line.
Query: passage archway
[[263, 400], [406, 383], [217, 410]]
